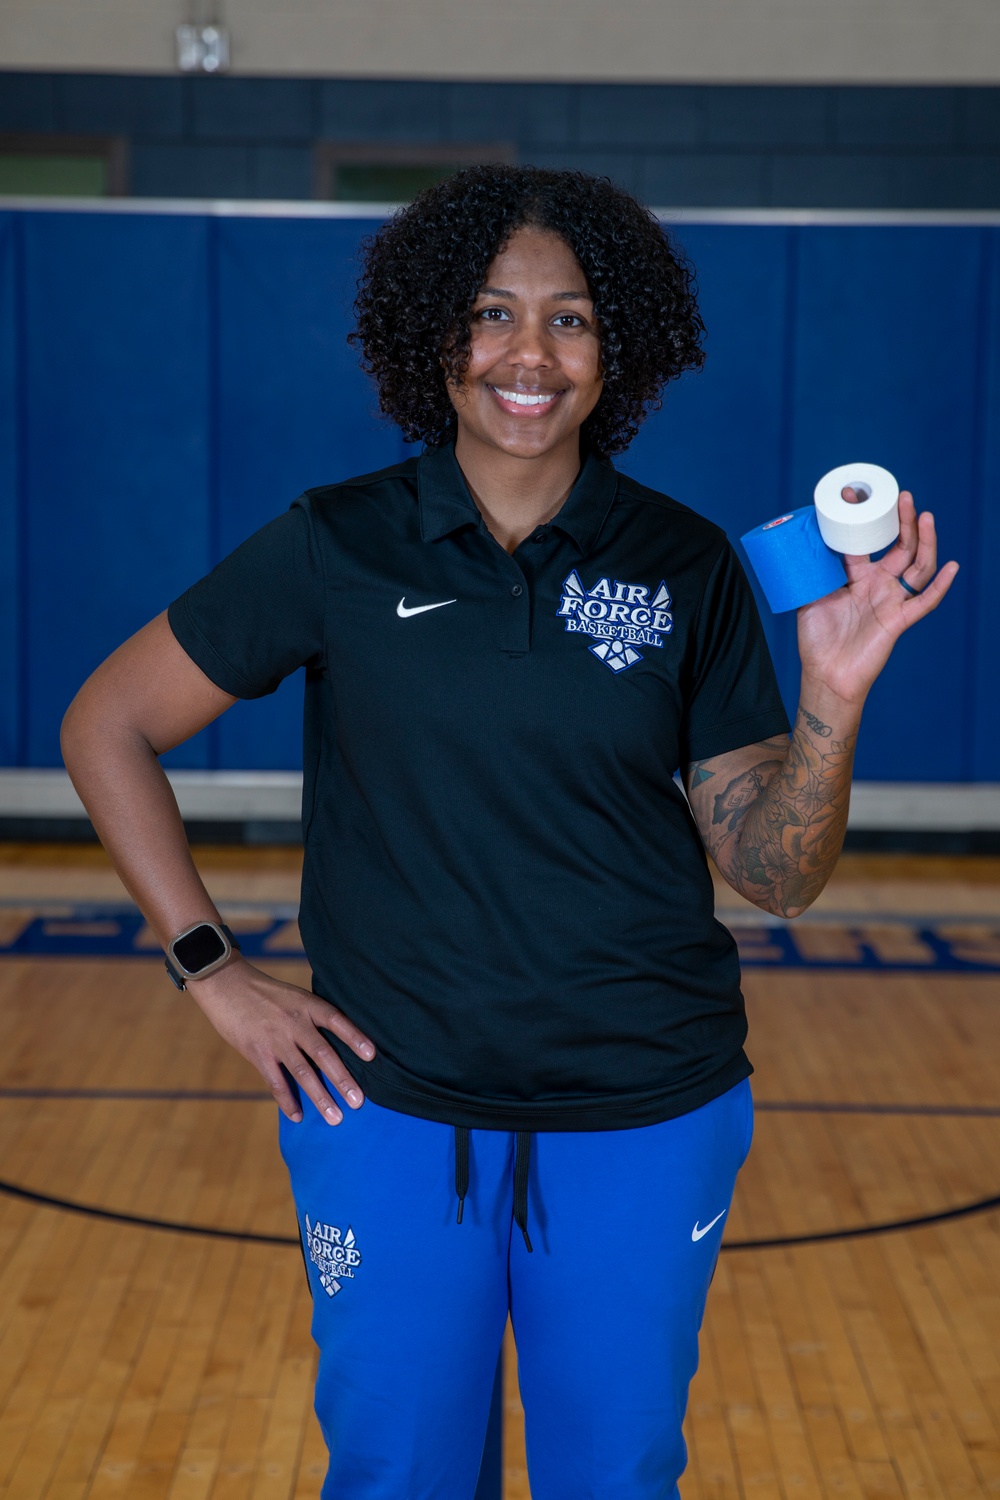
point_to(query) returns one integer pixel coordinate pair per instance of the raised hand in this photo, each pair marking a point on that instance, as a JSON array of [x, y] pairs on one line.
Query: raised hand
[[845, 638]]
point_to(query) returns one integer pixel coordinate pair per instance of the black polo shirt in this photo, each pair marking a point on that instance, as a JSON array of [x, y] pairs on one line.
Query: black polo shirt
[[503, 885]]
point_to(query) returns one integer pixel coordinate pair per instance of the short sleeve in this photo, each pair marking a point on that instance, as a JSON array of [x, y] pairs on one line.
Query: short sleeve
[[733, 698], [259, 615]]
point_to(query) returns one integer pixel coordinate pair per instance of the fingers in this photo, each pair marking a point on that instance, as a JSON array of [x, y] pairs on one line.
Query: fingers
[[334, 1020], [308, 1082], [917, 549], [309, 1073], [312, 1085], [314, 1062], [283, 1096], [916, 545], [315, 1053], [906, 544], [913, 558], [931, 595], [922, 567]]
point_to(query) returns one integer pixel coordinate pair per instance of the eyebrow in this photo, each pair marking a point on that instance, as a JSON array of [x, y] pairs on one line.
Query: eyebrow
[[499, 291]]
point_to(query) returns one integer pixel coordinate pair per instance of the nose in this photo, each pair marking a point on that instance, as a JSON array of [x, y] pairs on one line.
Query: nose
[[531, 346]]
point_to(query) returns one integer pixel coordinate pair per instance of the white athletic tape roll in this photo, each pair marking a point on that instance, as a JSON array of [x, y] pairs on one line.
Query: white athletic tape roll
[[866, 527]]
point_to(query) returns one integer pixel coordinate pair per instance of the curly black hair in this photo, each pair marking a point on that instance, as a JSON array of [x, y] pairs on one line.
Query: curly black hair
[[424, 268]]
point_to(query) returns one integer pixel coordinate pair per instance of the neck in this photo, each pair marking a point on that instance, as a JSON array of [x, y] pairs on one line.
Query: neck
[[514, 495]]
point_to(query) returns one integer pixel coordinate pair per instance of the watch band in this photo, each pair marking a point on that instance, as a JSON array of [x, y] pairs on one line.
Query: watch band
[[178, 975]]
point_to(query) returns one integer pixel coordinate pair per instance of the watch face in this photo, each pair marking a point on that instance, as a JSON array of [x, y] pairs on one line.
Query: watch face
[[199, 948]]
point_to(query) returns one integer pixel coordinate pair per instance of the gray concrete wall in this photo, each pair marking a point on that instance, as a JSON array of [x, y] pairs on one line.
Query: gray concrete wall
[[704, 41]]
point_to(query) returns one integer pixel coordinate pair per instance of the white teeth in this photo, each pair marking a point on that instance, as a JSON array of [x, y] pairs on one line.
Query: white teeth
[[521, 398]]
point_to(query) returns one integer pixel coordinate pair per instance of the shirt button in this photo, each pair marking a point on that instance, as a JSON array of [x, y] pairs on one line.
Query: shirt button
[[517, 591]]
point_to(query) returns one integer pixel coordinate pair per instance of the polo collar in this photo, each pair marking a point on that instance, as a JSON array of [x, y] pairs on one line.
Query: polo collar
[[447, 506]]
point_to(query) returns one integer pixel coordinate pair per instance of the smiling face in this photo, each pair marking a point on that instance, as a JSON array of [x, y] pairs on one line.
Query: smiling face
[[534, 372]]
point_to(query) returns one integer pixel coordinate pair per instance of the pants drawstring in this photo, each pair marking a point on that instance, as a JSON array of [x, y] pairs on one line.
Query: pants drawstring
[[522, 1160], [461, 1167]]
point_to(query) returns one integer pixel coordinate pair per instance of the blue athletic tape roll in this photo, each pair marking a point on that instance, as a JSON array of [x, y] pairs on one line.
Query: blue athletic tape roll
[[793, 563]]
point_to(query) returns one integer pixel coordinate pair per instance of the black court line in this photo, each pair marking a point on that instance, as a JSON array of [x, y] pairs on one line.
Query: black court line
[[93, 1211], [963, 1211], [836, 1107], [68, 1205], [237, 1096], [761, 1106]]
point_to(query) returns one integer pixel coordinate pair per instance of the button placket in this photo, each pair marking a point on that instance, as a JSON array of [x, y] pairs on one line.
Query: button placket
[[516, 634]]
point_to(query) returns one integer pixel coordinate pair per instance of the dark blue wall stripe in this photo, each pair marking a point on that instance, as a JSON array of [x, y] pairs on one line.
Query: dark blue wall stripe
[[182, 378], [818, 145]]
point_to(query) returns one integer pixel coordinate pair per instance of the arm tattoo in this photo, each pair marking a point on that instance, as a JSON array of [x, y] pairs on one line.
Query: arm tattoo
[[780, 824], [742, 792], [816, 725]]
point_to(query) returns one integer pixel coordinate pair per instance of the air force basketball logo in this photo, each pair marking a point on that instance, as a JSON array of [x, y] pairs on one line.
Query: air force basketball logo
[[619, 617], [334, 1256]]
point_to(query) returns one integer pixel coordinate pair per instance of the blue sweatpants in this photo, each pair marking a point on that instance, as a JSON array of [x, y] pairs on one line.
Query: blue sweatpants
[[410, 1307]]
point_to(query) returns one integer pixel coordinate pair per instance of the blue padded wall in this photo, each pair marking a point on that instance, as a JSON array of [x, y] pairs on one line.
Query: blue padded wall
[[984, 563], [886, 370], [720, 443], [11, 595], [171, 381], [115, 443], [293, 412]]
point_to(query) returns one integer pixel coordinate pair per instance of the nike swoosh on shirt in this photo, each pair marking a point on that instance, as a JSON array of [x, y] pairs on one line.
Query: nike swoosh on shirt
[[419, 609], [698, 1234]]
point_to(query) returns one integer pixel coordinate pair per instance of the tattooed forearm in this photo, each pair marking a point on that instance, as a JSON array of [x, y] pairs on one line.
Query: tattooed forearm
[[777, 828]]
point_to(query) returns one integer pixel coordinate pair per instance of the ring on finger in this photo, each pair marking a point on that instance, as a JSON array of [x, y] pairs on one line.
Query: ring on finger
[[909, 587]]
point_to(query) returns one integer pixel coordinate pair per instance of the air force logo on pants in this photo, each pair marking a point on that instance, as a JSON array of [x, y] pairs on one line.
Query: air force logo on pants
[[334, 1255], [620, 617]]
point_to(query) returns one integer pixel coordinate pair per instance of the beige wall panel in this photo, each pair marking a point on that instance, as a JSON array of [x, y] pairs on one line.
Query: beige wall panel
[[724, 41]]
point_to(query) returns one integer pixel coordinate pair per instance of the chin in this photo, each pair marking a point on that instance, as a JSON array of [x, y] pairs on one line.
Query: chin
[[527, 440], [529, 444]]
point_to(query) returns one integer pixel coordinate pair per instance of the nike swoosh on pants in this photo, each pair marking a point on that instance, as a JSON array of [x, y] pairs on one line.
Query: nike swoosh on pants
[[699, 1234]]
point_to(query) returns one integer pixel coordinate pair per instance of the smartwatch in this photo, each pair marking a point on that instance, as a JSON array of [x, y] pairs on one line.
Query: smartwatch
[[199, 950]]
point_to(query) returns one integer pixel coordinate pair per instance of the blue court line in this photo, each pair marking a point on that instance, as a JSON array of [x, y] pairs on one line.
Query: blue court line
[[103, 930]]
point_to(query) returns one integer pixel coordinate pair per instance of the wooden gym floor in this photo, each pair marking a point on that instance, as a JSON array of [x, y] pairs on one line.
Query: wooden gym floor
[[158, 1365]]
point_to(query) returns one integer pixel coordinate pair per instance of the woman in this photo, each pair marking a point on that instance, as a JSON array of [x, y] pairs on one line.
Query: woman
[[509, 649]]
